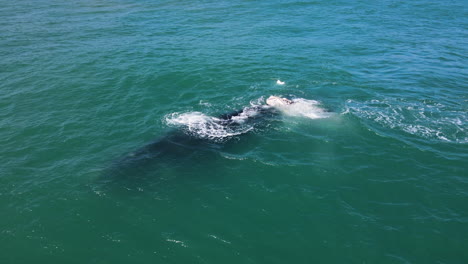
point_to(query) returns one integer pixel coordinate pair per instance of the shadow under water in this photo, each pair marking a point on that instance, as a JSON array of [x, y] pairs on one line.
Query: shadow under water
[[198, 140], [185, 148]]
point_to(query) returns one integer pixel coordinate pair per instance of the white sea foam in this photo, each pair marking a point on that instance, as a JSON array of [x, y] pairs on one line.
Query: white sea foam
[[204, 126], [207, 104], [222, 240], [247, 113], [419, 118], [177, 242]]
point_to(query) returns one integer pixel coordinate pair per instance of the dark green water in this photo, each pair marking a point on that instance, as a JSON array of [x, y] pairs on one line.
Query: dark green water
[[381, 178]]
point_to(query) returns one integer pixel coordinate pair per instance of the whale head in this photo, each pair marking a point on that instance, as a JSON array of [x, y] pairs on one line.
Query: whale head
[[276, 101]]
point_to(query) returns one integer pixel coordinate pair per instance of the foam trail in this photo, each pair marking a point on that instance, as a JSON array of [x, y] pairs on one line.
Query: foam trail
[[419, 118]]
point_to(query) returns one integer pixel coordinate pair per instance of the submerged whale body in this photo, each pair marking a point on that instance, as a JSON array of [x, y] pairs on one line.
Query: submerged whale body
[[197, 128], [195, 132]]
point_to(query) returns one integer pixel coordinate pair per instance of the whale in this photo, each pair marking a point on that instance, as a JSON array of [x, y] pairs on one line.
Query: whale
[[183, 141]]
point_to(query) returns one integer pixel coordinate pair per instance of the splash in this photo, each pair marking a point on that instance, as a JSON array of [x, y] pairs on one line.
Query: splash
[[204, 126]]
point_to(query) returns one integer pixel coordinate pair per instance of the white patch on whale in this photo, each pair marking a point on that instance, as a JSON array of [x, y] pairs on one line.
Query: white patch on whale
[[298, 107]]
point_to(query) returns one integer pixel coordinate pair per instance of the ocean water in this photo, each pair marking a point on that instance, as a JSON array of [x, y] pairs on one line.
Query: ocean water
[[112, 150]]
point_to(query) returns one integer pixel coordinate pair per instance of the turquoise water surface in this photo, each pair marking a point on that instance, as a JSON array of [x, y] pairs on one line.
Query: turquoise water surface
[[110, 150]]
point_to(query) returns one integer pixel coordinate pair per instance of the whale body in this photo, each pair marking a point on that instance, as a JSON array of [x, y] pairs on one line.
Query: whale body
[[198, 132]]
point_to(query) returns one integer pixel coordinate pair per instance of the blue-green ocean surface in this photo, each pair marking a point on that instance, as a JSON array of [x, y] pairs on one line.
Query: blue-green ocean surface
[[110, 152]]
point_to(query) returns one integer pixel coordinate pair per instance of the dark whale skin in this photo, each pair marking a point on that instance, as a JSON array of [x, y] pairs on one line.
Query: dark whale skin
[[177, 145]]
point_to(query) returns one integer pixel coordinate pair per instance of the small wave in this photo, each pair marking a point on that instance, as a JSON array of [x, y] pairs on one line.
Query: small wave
[[222, 240], [203, 103], [204, 126], [423, 119], [181, 243], [305, 108]]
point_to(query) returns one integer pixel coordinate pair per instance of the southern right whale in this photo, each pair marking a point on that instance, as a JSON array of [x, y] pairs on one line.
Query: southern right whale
[[196, 132], [199, 132]]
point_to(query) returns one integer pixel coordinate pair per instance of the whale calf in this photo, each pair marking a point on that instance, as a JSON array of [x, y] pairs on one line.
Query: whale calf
[[275, 101]]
